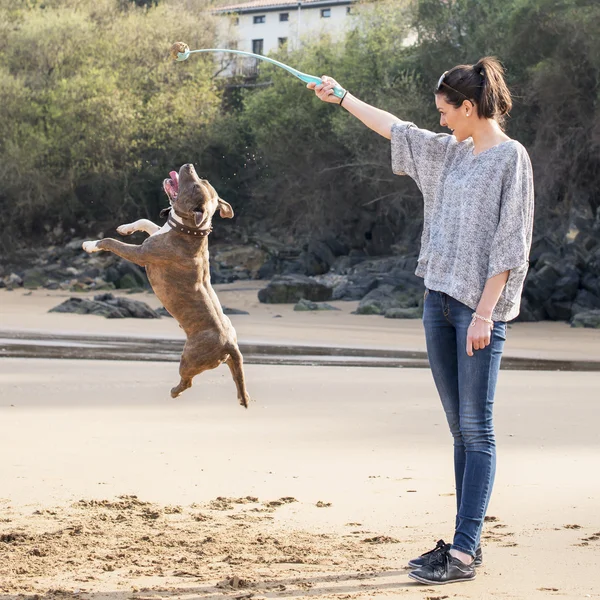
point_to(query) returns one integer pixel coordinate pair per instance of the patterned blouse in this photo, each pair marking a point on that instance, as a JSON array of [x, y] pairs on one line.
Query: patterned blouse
[[478, 213]]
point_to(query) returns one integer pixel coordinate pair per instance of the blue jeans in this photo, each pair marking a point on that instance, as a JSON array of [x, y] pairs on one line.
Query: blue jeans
[[466, 385]]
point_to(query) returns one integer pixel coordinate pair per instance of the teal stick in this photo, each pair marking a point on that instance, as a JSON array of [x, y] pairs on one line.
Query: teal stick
[[337, 90]]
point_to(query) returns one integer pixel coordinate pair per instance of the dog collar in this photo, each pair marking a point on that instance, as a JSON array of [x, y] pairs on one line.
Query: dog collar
[[187, 230]]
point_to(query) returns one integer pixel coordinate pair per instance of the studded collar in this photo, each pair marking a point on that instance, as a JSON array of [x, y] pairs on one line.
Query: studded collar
[[186, 229]]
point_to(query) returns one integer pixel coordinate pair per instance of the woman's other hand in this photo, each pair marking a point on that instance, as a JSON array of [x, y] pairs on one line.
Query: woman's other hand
[[324, 90], [478, 336]]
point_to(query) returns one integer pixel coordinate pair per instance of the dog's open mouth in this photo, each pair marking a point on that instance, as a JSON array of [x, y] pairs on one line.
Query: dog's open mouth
[[171, 185]]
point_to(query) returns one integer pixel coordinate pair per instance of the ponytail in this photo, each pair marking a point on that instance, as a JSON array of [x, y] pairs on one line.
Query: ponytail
[[483, 83], [494, 101]]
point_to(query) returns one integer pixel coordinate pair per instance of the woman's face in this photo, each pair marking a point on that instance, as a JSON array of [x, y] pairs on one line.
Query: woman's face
[[458, 120]]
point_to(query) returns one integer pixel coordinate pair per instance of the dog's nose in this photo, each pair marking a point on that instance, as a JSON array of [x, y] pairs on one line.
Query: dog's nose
[[188, 167]]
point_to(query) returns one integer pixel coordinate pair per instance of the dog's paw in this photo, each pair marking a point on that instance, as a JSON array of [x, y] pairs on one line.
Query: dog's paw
[[90, 247], [126, 229]]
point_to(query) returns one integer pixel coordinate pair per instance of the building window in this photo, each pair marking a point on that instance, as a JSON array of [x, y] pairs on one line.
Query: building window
[[284, 16], [257, 46], [281, 41], [325, 13], [259, 19], [348, 10]]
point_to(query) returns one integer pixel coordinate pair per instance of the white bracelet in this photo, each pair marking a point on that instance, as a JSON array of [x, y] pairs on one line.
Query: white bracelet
[[476, 316]]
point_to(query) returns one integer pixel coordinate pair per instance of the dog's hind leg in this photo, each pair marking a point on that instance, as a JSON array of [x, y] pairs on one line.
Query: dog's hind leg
[[192, 363], [184, 384], [235, 362]]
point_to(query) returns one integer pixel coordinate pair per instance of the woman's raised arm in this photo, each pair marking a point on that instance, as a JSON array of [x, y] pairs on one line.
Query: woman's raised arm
[[376, 119]]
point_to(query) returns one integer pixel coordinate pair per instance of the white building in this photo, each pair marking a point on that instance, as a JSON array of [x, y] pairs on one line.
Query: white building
[[262, 26]]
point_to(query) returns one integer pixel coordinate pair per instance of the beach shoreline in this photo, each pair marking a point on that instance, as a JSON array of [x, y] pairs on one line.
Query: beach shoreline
[[324, 488]]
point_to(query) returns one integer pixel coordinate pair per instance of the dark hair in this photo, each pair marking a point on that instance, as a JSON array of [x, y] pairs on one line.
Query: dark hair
[[482, 83]]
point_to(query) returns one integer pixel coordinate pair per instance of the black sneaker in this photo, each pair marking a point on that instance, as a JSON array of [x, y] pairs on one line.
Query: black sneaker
[[427, 557], [443, 569], [424, 559]]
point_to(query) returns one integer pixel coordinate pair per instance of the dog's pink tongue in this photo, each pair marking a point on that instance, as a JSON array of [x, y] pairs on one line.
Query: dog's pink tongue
[[175, 179]]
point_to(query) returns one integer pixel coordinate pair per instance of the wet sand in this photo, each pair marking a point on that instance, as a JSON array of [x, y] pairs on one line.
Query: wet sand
[[324, 488]]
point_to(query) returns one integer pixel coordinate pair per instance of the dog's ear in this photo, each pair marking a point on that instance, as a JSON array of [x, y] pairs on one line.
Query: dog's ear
[[225, 209]]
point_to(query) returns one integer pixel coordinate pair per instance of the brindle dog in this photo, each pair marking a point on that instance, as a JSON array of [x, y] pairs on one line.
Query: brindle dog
[[176, 261]]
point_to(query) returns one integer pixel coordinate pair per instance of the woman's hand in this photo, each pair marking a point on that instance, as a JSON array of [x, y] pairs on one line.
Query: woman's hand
[[324, 91], [479, 336]]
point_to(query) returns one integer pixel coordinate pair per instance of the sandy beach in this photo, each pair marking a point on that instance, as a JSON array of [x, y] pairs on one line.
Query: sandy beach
[[324, 488]]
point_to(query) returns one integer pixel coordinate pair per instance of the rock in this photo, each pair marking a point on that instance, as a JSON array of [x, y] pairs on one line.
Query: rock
[[565, 289], [82, 306], [246, 259], [541, 246], [135, 308], [268, 270], [355, 287], [108, 306], [331, 279], [287, 289], [548, 259], [589, 318], [539, 285], [593, 265], [404, 313], [367, 275], [558, 306], [527, 314], [127, 281], [234, 311], [323, 254], [111, 275], [591, 283], [13, 280], [78, 286], [131, 276], [34, 278], [304, 304], [99, 284], [585, 301], [163, 312], [385, 297], [309, 264]]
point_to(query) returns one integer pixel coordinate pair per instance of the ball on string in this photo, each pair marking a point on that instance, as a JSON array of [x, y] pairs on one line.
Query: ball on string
[[179, 51]]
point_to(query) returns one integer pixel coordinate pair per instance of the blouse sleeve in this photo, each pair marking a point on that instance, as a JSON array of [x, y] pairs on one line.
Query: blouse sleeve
[[512, 240], [419, 153]]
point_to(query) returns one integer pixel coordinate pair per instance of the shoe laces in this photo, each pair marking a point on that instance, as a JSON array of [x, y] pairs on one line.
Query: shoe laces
[[441, 559], [439, 547]]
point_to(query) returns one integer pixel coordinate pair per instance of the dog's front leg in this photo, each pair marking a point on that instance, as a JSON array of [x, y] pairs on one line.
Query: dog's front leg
[[140, 225], [131, 252]]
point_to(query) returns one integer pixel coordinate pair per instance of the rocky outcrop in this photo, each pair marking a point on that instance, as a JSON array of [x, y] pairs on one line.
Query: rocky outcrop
[[590, 318], [303, 305], [288, 289], [109, 306], [563, 281]]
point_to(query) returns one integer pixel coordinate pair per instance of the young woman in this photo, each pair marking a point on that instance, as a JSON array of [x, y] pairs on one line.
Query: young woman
[[477, 187]]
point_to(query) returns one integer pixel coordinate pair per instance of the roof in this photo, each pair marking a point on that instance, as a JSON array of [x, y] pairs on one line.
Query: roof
[[260, 5]]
